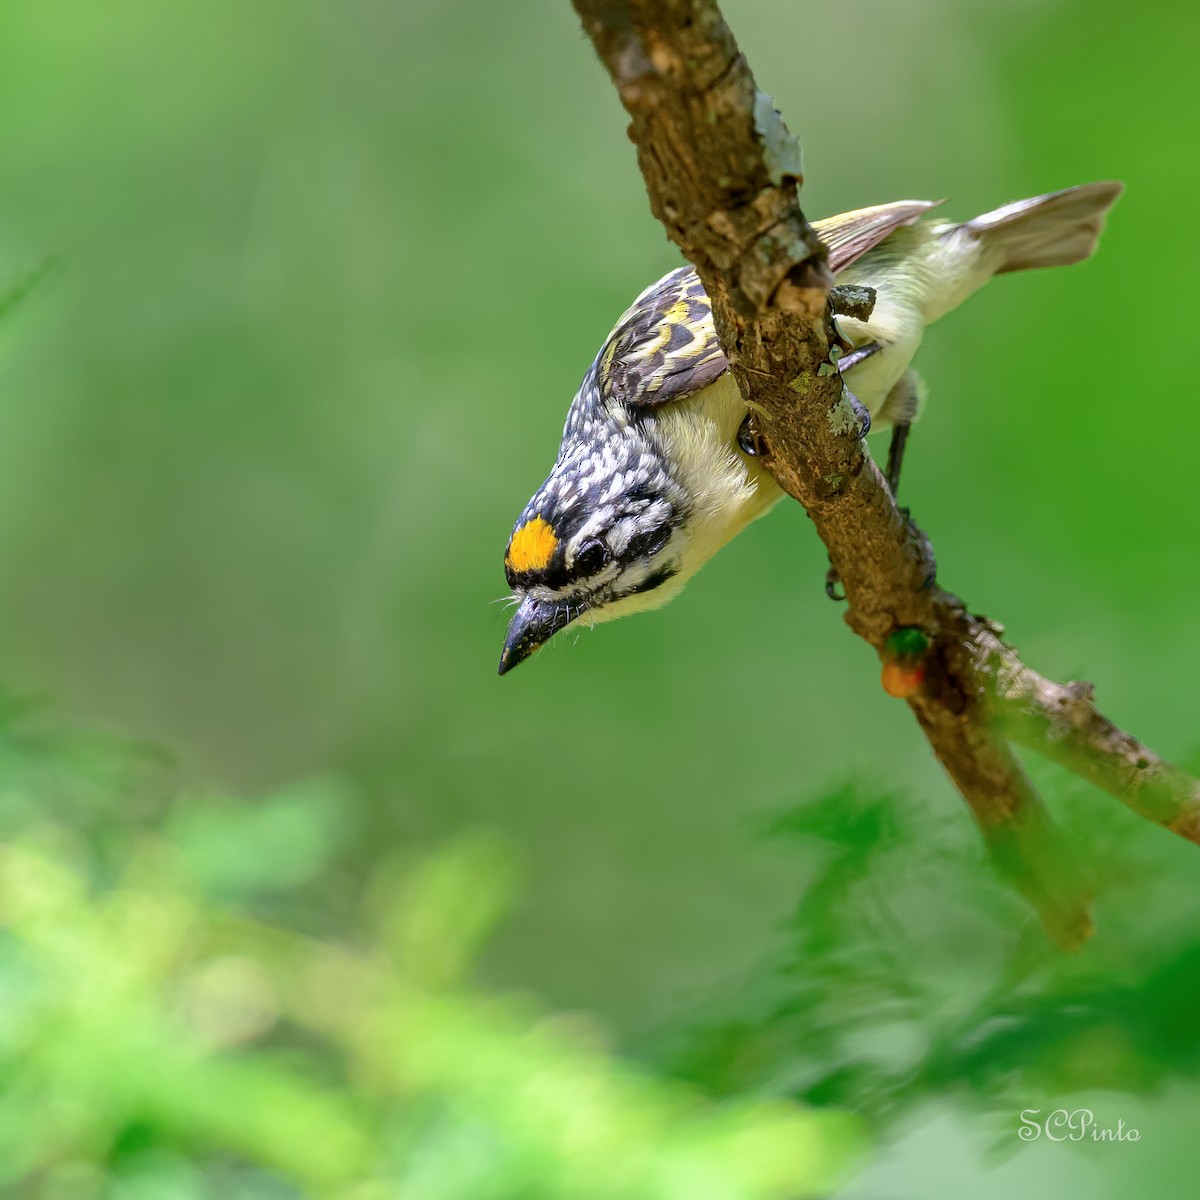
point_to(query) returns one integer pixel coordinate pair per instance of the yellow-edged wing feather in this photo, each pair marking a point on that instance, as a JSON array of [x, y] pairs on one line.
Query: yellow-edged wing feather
[[665, 347]]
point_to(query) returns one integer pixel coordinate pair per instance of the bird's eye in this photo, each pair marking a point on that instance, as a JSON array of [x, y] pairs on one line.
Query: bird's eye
[[591, 557]]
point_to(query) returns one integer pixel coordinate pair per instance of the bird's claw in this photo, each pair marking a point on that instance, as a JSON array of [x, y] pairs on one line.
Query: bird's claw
[[833, 581], [860, 411], [748, 438]]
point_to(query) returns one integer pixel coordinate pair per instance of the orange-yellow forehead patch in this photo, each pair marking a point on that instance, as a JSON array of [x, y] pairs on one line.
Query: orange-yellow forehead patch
[[532, 546]]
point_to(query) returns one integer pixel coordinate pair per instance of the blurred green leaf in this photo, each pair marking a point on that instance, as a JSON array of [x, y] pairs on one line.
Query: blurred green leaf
[[274, 844], [157, 1039]]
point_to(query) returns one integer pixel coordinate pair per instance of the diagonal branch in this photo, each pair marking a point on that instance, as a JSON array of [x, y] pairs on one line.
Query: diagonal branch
[[722, 175]]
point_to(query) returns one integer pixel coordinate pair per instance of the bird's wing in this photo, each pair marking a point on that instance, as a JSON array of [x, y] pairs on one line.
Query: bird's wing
[[850, 235], [665, 347]]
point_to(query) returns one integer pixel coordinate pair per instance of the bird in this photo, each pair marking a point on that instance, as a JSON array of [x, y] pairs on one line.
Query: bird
[[655, 472]]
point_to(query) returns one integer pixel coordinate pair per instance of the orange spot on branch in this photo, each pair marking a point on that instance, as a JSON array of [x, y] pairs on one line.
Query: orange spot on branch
[[902, 680]]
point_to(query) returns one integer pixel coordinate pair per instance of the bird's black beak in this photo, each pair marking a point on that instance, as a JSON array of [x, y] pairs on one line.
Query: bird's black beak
[[533, 624]]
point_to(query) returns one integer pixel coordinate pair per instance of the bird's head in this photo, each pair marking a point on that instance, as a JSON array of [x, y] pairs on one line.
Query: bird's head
[[604, 536]]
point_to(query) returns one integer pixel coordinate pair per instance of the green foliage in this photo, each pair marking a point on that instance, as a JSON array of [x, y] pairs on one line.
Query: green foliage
[[908, 978], [159, 1038]]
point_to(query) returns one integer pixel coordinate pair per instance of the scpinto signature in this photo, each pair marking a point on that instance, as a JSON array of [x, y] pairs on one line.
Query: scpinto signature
[[1072, 1125]]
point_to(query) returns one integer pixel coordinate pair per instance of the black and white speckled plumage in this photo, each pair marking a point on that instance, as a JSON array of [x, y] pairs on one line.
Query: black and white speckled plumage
[[611, 480]]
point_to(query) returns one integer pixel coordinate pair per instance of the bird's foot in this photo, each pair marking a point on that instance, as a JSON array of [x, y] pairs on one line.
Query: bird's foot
[[833, 581]]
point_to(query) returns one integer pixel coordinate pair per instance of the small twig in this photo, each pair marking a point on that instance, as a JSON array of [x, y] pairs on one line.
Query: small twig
[[1061, 722]]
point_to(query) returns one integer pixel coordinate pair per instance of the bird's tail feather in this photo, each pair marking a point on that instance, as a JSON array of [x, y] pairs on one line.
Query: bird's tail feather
[[1046, 231]]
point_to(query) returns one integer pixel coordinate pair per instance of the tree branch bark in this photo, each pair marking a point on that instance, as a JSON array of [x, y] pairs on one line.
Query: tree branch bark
[[722, 174]]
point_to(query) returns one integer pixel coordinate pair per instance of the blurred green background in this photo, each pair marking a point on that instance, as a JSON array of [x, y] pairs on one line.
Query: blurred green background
[[328, 275]]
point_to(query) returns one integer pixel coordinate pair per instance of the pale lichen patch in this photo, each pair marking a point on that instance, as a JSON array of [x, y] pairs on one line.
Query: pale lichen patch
[[843, 420]]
